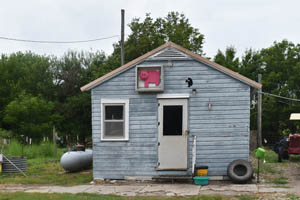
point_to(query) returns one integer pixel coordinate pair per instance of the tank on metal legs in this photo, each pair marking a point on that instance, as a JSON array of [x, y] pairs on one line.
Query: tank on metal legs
[[75, 161]]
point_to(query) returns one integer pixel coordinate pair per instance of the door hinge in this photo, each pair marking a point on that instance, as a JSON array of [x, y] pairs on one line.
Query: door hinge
[[158, 104], [158, 144], [158, 164], [158, 123]]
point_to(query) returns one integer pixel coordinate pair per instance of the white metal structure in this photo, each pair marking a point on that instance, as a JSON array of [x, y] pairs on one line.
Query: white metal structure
[[295, 116]]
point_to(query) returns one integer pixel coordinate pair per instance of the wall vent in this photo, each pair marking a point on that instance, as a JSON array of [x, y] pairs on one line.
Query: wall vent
[[169, 53]]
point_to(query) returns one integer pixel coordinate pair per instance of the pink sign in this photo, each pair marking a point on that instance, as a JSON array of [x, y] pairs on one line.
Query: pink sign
[[150, 76]]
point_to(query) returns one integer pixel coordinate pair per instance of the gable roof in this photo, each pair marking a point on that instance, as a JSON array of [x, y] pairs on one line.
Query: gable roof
[[197, 57]]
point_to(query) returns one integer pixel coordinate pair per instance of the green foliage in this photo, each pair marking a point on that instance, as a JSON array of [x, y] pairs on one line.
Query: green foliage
[[228, 59], [53, 196], [80, 196], [40, 91], [29, 116], [270, 156], [77, 115], [24, 72], [246, 197], [42, 150], [280, 69], [148, 34], [278, 181], [5, 133], [293, 197]]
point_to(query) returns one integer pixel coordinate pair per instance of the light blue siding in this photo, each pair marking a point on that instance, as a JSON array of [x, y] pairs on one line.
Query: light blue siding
[[222, 133]]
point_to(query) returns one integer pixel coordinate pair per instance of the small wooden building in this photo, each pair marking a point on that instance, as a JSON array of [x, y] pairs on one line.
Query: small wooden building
[[146, 113]]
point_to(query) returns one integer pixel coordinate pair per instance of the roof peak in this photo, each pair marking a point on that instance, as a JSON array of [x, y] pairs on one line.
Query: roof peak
[[187, 52]]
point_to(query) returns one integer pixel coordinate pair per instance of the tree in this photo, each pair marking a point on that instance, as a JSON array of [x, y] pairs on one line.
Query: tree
[[251, 64], [150, 34], [24, 72], [72, 71], [280, 64], [76, 112], [29, 116], [228, 59]]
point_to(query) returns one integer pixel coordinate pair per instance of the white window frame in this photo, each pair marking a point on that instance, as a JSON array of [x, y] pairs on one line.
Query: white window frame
[[125, 114]]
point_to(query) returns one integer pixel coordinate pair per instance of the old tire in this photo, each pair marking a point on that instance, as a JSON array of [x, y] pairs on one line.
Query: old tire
[[240, 171]]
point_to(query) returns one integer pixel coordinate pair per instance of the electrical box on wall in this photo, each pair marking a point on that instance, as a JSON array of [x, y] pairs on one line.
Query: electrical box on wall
[[149, 78]]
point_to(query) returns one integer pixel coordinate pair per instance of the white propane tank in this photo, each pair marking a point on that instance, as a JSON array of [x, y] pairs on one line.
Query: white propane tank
[[74, 161]]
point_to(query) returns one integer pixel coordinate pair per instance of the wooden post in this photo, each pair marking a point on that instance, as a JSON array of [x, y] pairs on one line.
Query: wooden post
[[259, 110], [54, 135], [122, 36]]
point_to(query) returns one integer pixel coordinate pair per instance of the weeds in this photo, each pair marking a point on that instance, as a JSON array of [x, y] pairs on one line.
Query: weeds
[[42, 150], [278, 181], [246, 197], [293, 197]]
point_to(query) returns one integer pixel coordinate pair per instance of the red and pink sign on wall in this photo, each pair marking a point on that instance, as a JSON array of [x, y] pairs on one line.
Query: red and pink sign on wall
[[149, 78]]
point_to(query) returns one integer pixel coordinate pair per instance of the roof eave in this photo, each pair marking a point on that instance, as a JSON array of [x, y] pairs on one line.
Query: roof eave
[[214, 65]]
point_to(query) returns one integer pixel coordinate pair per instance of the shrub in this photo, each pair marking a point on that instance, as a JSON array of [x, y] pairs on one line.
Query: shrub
[[42, 150]]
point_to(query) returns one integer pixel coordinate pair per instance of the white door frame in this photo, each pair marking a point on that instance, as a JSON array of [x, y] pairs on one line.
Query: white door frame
[[173, 149]]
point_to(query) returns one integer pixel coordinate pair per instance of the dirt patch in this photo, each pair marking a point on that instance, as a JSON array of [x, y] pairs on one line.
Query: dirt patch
[[285, 174]]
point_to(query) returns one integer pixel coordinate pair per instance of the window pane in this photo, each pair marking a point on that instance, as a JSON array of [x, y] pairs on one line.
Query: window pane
[[172, 120], [113, 129], [114, 112]]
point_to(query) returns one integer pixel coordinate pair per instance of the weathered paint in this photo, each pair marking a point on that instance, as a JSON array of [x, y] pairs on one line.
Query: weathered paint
[[222, 133]]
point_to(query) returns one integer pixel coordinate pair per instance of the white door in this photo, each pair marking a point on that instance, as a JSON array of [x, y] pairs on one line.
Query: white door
[[172, 134]]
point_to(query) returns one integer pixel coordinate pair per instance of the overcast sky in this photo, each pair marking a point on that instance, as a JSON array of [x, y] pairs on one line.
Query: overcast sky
[[241, 23]]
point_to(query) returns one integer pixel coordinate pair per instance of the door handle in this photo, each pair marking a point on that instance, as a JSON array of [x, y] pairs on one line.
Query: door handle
[[186, 132]]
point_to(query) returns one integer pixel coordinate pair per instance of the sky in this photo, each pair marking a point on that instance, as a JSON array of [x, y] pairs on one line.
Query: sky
[[243, 24]]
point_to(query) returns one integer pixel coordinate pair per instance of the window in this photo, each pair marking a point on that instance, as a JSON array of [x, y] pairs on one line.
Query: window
[[114, 119], [172, 120]]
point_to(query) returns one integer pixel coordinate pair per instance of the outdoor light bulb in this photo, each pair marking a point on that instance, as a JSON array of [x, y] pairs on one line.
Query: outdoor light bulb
[[194, 91], [209, 106]]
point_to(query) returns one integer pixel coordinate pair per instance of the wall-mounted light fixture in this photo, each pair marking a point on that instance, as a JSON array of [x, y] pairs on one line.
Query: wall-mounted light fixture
[[194, 91], [170, 64], [209, 105]]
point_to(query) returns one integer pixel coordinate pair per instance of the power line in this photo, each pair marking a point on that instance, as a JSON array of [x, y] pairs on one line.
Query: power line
[[57, 42], [277, 96]]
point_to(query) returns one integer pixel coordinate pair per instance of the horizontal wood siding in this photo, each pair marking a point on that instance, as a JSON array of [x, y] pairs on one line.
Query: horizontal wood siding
[[222, 132]]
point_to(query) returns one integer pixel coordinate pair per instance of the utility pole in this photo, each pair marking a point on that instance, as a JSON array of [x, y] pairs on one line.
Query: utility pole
[[259, 138], [122, 36], [259, 110]]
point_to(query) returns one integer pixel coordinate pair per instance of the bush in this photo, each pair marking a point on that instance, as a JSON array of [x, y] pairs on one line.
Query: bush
[[42, 150]]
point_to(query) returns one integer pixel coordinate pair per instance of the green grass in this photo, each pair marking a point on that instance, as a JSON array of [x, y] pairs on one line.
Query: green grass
[[45, 171], [293, 197], [270, 156], [295, 158], [246, 197], [278, 181], [85, 196], [42, 150], [43, 167], [65, 196]]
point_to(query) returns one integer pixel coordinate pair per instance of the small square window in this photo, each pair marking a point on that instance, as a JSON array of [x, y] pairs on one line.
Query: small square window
[[114, 124]]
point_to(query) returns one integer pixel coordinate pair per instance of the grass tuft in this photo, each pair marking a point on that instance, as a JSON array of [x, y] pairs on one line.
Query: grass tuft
[[42, 150], [245, 197], [278, 181]]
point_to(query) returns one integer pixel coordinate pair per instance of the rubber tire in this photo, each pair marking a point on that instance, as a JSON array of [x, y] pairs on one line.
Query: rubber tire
[[247, 171]]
